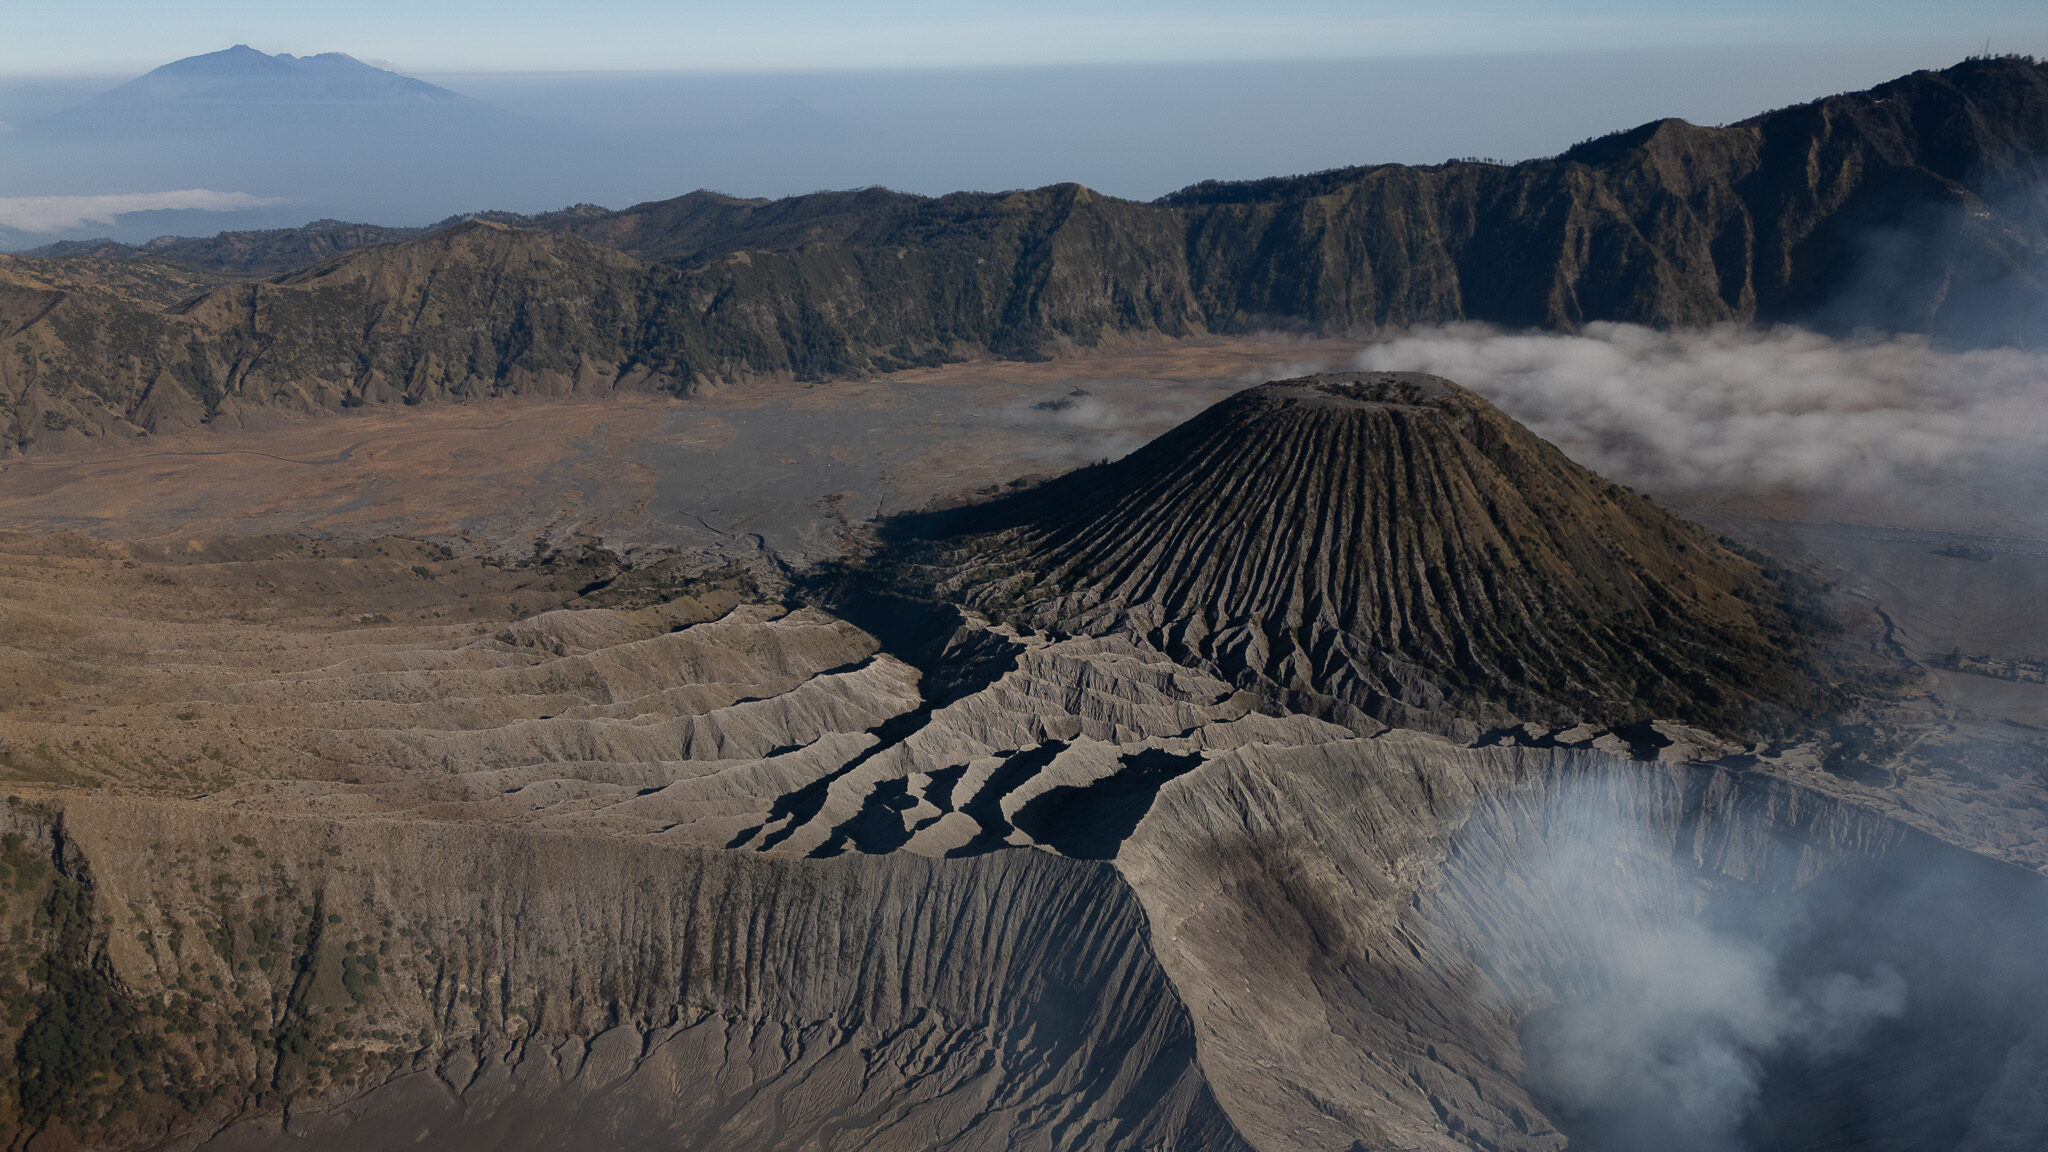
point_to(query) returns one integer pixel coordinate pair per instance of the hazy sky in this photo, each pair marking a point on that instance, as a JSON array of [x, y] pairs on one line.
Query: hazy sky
[[105, 36]]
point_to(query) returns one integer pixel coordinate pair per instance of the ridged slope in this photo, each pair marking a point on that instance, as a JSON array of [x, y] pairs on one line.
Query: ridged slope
[[1389, 545], [634, 994], [450, 875]]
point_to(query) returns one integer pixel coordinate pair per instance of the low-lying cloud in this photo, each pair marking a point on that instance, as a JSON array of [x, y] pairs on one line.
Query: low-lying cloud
[[1737, 410], [1109, 420], [1082, 427], [64, 213]]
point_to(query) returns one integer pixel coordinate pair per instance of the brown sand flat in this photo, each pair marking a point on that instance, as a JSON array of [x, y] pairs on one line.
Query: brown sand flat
[[779, 464]]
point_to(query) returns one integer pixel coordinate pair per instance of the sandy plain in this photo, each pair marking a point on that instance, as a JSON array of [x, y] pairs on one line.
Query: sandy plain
[[778, 465]]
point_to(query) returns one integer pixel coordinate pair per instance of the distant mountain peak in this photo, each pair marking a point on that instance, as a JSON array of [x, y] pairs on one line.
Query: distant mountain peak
[[235, 89], [245, 73], [243, 58], [241, 55]]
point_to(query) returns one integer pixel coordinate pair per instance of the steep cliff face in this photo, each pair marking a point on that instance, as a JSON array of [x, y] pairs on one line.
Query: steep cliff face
[[1389, 547], [1918, 206], [872, 281], [1915, 206], [476, 311]]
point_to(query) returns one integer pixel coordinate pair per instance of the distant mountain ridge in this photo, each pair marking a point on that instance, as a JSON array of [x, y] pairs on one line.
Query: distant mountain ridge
[[1917, 206]]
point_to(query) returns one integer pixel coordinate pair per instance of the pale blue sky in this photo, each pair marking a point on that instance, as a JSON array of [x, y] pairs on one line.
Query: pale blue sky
[[112, 36]]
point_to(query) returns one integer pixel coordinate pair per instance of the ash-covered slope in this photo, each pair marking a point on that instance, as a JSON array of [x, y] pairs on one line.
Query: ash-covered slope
[[1390, 546], [669, 867]]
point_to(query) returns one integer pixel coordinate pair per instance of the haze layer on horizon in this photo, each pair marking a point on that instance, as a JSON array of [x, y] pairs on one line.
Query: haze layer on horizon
[[1140, 131], [1136, 131], [116, 36]]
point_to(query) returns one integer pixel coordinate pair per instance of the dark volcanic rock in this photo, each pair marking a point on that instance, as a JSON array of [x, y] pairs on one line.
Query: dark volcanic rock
[[1389, 545]]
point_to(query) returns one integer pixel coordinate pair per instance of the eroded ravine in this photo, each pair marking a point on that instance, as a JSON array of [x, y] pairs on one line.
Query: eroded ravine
[[344, 845]]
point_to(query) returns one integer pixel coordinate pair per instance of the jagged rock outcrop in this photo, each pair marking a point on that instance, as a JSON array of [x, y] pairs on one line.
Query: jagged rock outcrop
[[1919, 206], [1388, 547]]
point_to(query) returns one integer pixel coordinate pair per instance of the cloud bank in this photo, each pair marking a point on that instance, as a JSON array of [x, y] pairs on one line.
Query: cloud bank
[[63, 213], [1736, 410]]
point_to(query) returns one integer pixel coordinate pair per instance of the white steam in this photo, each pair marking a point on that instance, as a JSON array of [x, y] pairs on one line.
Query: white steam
[[1735, 410], [1670, 1052], [1083, 427], [1670, 995]]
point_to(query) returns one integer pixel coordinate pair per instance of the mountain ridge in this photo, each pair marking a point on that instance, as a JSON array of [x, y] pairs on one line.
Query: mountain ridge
[[1917, 206]]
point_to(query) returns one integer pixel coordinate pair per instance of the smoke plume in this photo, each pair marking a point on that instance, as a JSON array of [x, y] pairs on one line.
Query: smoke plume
[[1681, 1008], [1670, 1046]]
